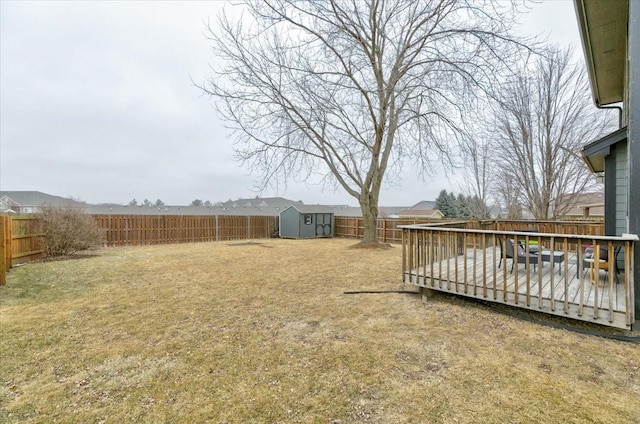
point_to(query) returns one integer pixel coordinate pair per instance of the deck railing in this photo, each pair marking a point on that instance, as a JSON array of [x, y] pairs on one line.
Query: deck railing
[[561, 274]]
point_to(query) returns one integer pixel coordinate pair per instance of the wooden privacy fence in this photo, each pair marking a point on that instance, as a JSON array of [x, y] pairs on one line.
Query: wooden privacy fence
[[388, 228], [594, 228], [21, 242], [128, 230]]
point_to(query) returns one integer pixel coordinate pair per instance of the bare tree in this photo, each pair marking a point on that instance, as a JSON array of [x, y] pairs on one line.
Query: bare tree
[[352, 90], [544, 118], [508, 196], [477, 170]]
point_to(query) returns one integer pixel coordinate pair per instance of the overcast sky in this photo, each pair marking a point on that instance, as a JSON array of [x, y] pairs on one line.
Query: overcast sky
[[97, 104]]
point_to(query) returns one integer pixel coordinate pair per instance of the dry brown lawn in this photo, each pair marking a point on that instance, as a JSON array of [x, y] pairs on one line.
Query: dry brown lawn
[[262, 332]]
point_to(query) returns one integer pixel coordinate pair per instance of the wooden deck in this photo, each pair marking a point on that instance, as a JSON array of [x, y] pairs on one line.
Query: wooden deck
[[559, 289]]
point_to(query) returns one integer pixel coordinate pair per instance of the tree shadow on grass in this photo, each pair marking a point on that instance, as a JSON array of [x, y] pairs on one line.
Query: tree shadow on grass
[[73, 256]]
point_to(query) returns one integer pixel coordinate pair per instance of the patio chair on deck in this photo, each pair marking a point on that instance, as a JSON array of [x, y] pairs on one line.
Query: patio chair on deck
[[520, 258], [588, 259]]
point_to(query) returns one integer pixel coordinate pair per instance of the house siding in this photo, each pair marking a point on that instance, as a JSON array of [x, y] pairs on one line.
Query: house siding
[[621, 187]]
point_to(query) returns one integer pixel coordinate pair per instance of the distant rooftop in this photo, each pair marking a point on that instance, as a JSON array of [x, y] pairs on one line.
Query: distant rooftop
[[111, 209], [261, 201], [39, 199], [259, 206]]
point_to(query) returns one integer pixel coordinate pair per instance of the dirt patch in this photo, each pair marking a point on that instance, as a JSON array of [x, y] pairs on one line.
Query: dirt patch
[[372, 245]]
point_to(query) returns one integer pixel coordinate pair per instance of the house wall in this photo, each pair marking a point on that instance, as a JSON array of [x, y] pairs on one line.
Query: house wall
[[633, 106], [621, 198]]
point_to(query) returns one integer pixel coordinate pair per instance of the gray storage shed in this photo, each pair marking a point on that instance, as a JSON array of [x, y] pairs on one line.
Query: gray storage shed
[[306, 222]]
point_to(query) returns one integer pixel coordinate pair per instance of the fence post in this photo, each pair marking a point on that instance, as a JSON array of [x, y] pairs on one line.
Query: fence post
[[384, 230], [8, 240], [248, 227]]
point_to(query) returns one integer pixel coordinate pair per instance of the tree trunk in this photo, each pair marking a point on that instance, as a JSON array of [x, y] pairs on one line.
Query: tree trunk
[[369, 206]]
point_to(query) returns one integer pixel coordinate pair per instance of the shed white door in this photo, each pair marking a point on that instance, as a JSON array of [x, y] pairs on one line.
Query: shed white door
[[323, 224]]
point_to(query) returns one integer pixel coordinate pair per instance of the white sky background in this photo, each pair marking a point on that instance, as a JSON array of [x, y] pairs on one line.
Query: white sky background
[[96, 103]]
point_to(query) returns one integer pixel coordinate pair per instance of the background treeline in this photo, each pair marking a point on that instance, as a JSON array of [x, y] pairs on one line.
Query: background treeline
[[461, 206]]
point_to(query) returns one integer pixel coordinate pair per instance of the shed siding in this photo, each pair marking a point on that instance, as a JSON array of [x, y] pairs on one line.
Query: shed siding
[[306, 223], [307, 227], [289, 223]]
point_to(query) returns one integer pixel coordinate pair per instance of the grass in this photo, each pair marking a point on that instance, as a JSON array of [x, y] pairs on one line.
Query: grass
[[262, 332]]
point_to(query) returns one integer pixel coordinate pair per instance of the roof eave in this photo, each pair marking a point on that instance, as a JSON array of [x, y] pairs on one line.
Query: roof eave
[[586, 48], [601, 32], [594, 153]]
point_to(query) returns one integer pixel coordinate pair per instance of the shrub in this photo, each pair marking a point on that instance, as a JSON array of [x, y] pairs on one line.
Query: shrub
[[68, 230]]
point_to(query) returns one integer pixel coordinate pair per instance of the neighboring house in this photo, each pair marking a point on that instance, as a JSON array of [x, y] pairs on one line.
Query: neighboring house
[[420, 213], [114, 209], [419, 208], [273, 202], [258, 207], [610, 32], [587, 206], [8, 205], [26, 202], [424, 205]]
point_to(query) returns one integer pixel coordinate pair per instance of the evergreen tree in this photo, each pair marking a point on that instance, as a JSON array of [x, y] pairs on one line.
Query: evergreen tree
[[446, 203], [453, 206], [463, 207]]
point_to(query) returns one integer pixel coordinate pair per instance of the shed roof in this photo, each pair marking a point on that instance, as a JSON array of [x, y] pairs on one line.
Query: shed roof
[[312, 208]]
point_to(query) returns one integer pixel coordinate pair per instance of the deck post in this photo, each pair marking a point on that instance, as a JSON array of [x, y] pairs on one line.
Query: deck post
[[426, 294], [633, 77]]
